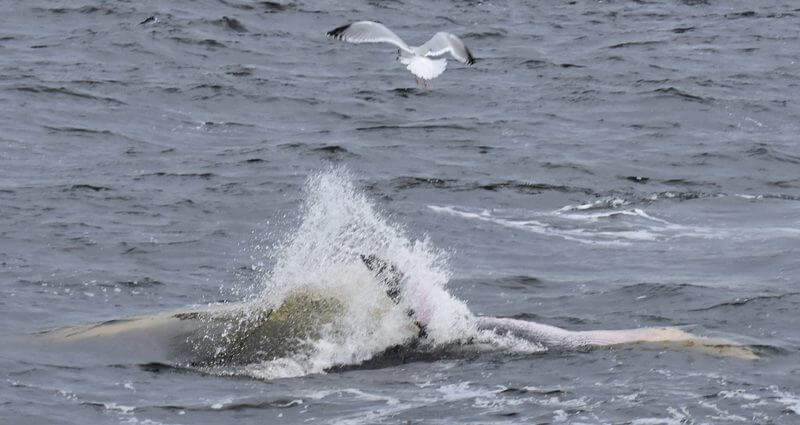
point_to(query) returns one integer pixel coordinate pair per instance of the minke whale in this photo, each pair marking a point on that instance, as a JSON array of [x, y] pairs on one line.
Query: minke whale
[[231, 334]]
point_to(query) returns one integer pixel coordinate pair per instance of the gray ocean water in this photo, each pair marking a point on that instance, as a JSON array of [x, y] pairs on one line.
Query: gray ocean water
[[603, 165]]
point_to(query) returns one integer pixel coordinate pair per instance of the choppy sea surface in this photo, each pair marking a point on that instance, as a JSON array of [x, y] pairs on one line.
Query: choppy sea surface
[[603, 165]]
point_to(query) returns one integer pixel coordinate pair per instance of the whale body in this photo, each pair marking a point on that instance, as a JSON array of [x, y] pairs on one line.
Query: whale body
[[246, 333]]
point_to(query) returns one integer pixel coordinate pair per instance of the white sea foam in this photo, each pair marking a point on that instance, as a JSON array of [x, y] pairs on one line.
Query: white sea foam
[[137, 421], [601, 222], [738, 394], [119, 407], [604, 203], [721, 414], [677, 417], [541, 227], [789, 400]]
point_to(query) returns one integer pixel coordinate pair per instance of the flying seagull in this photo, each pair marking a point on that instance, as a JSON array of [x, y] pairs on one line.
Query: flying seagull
[[415, 58]]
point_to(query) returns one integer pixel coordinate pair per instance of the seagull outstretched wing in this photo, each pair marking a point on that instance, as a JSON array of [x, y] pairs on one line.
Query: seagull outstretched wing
[[444, 42], [368, 32]]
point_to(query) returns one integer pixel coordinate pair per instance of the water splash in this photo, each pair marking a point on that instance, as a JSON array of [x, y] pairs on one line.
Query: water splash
[[322, 256]]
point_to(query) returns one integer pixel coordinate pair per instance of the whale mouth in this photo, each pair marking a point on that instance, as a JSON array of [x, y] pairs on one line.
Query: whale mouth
[[336, 297]]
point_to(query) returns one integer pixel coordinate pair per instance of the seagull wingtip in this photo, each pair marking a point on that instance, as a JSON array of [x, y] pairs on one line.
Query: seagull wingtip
[[470, 59], [337, 32]]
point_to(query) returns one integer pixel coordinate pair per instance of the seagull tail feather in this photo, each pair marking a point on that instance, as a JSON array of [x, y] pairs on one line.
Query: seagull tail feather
[[426, 69]]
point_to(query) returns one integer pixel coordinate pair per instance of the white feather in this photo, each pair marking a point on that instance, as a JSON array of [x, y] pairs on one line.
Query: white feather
[[368, 32], [425, 68], [444, 42]]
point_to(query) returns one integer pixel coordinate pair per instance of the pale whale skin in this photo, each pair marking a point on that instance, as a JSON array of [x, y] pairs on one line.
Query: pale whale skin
[[555, 337], [221, 335]]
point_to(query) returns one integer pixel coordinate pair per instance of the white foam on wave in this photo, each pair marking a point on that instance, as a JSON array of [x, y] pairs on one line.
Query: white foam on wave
[[487, 399], [595, 217], [137, 421], [676, 417], [119, 408], [579, 235], [601, 222], [790, 401], [604, 203]]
